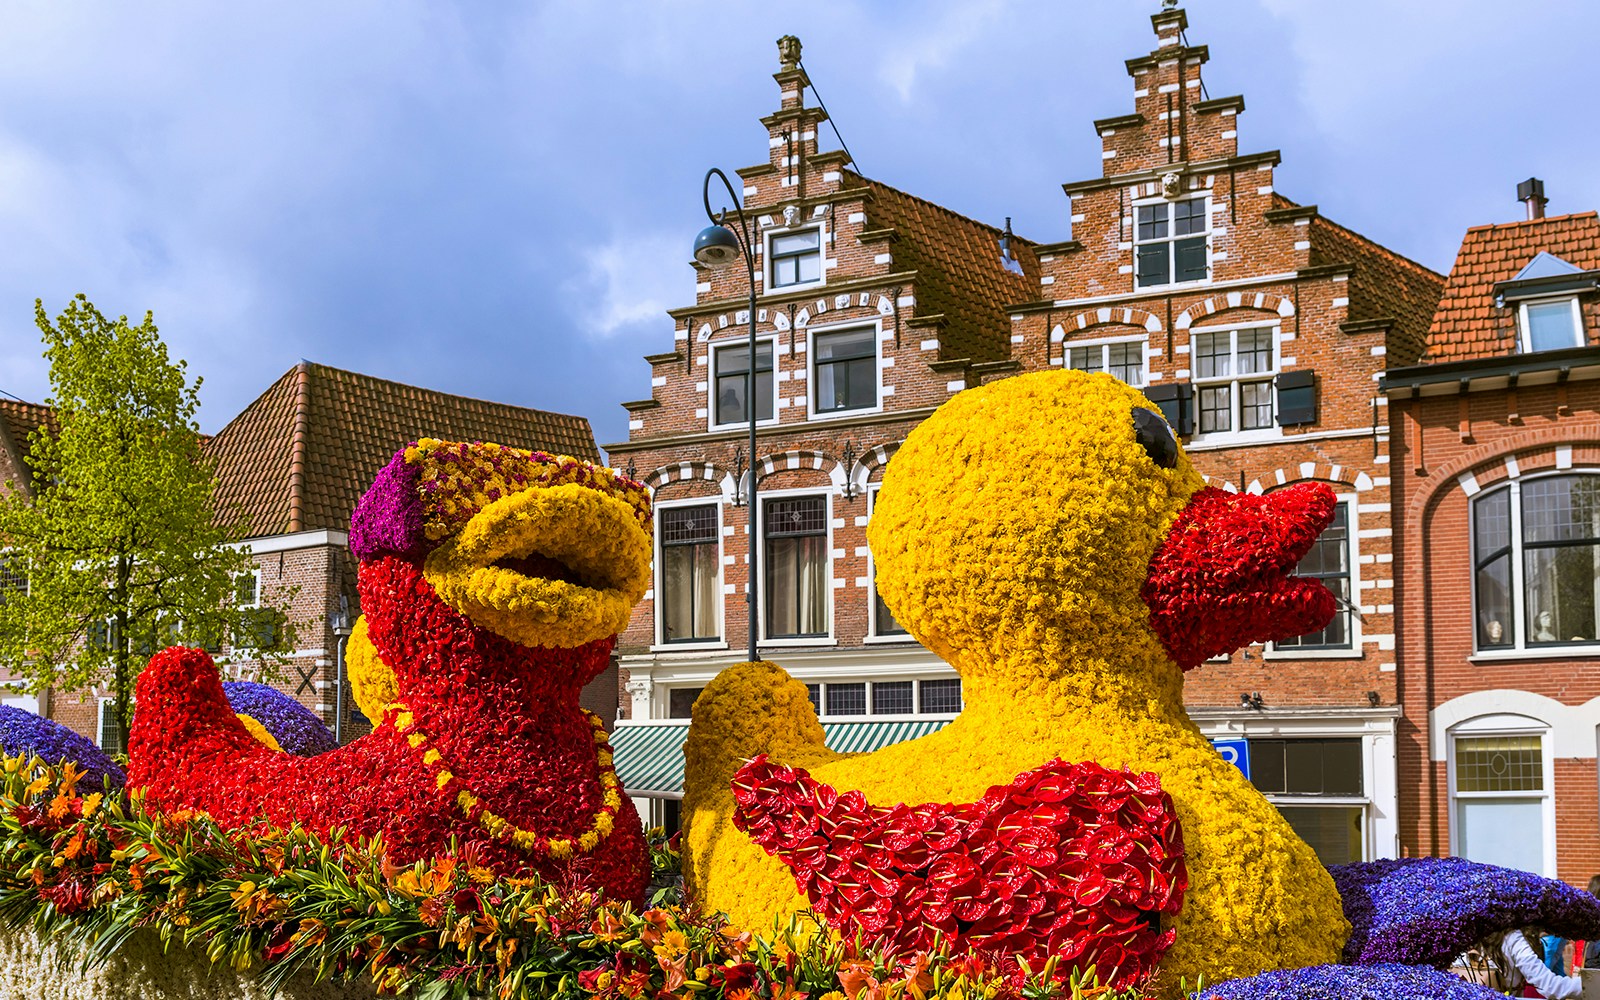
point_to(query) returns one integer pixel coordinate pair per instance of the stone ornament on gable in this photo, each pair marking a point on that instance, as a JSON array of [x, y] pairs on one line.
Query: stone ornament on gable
[[789, 52], [1171, 184], [791, 214]]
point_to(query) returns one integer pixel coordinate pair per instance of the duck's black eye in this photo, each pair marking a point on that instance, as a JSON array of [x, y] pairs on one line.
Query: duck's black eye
[[1156, 437]]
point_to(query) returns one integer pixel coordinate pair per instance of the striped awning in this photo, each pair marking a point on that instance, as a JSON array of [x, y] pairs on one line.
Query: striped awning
[[648, 755]]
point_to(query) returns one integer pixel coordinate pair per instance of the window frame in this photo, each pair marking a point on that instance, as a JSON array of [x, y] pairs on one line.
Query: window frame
[[1525, 328], [814, 332], [1171, 240], [1504, 725], [714, 348], [235, 651], [874, 633], [917, 679], [1105, 344], [828, 638], [659, 631], [1355, 649], [100, 718], [767, 259], [1269, 378], [1519, 646]]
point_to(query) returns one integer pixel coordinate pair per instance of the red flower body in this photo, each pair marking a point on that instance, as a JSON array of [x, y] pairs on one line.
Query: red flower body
[[1071, 860], [502, 718]]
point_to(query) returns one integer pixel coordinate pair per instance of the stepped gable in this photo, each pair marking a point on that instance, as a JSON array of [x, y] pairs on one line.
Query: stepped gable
[[959, 271], [299, 457], [1467, 324]]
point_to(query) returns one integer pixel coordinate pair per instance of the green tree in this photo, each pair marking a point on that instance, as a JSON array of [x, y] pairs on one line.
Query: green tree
[[119, 545]]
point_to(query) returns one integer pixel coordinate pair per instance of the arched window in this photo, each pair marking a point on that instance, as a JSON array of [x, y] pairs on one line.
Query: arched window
[[1501, 808], [1536, 563]]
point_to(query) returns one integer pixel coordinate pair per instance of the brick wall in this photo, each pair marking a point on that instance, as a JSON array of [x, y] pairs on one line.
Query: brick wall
[[1449, 448]]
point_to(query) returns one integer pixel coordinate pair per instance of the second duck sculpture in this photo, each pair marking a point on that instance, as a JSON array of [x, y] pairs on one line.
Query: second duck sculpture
[[1048, 538]]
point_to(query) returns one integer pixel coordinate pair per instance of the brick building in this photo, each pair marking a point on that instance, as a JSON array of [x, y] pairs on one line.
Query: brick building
[[873, 307], [1258, 324], [1497, 488], [289, 470]]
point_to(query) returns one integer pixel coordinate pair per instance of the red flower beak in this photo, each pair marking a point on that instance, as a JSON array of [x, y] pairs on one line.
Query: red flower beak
[[1221, 579]]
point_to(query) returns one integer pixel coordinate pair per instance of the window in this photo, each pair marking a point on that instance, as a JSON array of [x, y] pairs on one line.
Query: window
[[1329, 561], [1318, 786], [109, 734], [883, 622], [1536, 561], [1233, 372], [1124, 359], [844, 372], [258, 627], [795, 258], [690, 587], [1551, 325], [1170, 242], [892, 698], [941, 697], [847, 699], [680, 702], [796, 560], [843, 698], [1501, 807], [13, 578], [732, 367]]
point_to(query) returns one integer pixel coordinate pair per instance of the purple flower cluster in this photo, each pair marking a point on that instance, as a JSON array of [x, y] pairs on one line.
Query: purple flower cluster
[[296, 728], [1427, 911], [24, 734], [1351, 982], [389, 516]]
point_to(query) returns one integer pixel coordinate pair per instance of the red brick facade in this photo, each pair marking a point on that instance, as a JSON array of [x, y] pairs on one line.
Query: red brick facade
[[1487, 419]]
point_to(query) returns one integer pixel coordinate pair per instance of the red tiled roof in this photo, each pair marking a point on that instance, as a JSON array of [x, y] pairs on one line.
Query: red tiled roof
[[299, 457], [17, 421], [1467, 323], [959, 273]]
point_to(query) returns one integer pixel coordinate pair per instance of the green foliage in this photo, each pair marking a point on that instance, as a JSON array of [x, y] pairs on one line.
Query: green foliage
[[118, 543], [89, 871]]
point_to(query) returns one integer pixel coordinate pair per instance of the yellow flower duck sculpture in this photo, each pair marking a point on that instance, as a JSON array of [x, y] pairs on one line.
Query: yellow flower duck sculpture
[[1046, 536]]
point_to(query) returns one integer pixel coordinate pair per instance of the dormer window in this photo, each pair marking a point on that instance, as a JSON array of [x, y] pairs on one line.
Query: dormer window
[[795, 258], [1551, 325], [1171, 242]]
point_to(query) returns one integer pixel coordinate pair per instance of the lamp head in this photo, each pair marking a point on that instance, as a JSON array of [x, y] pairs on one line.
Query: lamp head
[[716, 246]]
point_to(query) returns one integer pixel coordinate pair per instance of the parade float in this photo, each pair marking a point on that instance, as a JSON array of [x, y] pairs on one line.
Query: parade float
[[1070, 834]]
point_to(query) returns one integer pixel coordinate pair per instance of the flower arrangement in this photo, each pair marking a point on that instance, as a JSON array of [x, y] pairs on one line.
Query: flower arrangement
[[292, 727], [1427, 911], [371, 680], [489, 578], [22, 733], [1345, 982], [1070, 863], [90, 871], [1014, 535]]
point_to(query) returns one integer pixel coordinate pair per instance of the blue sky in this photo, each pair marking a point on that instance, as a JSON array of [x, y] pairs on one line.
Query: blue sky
[[497, 199]]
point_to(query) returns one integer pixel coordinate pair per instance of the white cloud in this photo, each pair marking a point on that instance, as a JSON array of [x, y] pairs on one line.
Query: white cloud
[[940, 39], [628, 284]]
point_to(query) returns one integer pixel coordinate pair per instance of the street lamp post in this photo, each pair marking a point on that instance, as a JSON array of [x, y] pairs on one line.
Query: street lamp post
[[339, 624], [716, 247]]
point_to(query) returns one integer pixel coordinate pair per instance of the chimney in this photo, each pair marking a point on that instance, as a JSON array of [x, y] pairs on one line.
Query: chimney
[[1531, 193]]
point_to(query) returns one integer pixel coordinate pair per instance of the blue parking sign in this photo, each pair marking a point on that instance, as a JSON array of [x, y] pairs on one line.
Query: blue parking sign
[[1235, 752]]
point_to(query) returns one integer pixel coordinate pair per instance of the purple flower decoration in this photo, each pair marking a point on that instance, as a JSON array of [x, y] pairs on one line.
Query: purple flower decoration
[[1351, 982], [388, 518], [1426, 911], [24, 734], [296, 728]]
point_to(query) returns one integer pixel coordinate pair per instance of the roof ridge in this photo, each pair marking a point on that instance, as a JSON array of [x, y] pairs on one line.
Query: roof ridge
[[297, 444], [316, 366], [996, 230], [1387, 251], [1569, 217]]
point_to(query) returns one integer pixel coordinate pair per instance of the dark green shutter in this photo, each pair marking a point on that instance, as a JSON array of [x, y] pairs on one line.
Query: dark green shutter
[[1297, 398], [1176, 401]]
